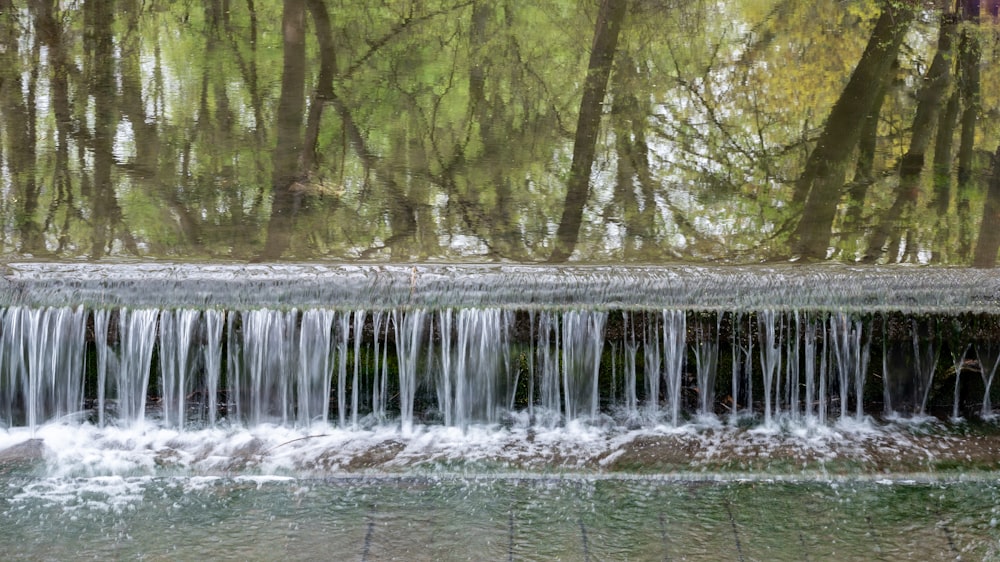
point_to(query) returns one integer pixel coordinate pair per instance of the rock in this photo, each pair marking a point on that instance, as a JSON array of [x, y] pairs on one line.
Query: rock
[[23, 453]]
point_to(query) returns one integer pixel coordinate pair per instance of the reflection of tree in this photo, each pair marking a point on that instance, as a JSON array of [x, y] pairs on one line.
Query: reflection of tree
[[19, 124], [637, 191], [930, 98], [442, 128], [961, 109], [146, 167], [606, 30], [288, 126], [942, 171], [63, 203], [819, 187], [636, 198], [106, 216], [404, 216], [969, 82], [401, 213], [496, 221], [989, 230], [115, 139], [324, 82], [970, 53], [500, 146]]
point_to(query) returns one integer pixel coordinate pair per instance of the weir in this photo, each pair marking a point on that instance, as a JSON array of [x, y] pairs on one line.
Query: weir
[[361, 346], [453, 280]]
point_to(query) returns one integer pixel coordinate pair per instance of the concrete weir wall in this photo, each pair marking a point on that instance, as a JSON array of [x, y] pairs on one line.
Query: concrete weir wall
[[722, 288]]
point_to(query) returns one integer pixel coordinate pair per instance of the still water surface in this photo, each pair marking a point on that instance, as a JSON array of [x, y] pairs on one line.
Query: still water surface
[[641, 131]]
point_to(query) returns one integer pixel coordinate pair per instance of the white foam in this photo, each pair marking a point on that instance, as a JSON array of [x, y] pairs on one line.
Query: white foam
[[101, 493], [260, 481], [80, 450]]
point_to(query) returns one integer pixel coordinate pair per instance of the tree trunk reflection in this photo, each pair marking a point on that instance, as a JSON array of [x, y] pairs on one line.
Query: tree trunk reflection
[[819, 187], [969, 81], [989, 229], [288, 124], [100, 48], [606, 30], [931, 96], [19, 124]]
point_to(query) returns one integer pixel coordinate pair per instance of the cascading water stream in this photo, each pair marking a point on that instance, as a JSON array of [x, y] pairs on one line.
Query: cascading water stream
[[380, 365], [137, 329], [359, 320], [281, 365], [925, 356], [343, 341], [989, 360], [177, 332], [770, 356], [810, 343], [630, 350], [409, 327], [651, 364], [214, 320], [314, 366], [674, 351]]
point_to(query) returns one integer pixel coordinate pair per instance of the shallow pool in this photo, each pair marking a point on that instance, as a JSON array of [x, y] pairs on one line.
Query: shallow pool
[[495, 517]]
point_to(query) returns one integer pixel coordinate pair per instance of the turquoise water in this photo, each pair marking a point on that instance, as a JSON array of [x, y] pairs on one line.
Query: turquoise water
[[496, 517]]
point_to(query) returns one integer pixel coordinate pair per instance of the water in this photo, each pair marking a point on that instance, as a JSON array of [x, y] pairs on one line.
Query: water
[[440, 132], [709, 214], [317, 366], [385, 287], [498, 518], [297, 349], [279, 428]]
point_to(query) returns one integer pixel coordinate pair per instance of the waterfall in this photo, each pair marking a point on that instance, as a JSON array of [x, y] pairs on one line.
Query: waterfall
[[409, 329], [212, 349], [851, 348], [706, 354], [737, 364], [460, 366], [958, 360], [101, 319], [989, 360], [674, 347], [742, 372], [651, 364], [359, 324], [471, 388], [41, 371], [925, 358], [314, 366], [793, 364], [380, 366], [137, 333], [531, 366], [446, 376], [177, 332], [887, 378], [343, 341], [582, 344], [810, 372], [630, 350], [770, 354], [264, 390], [550, 398], [233, 368]]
